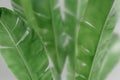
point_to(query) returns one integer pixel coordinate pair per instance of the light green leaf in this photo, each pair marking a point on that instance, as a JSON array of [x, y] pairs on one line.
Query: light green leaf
[[111, 58], [22, 48]]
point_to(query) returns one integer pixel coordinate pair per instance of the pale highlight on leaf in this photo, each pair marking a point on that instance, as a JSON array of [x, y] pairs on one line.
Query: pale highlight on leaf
[[61, 6]]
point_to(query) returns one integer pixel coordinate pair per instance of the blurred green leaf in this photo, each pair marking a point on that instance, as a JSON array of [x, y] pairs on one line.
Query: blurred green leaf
[[58, 22]]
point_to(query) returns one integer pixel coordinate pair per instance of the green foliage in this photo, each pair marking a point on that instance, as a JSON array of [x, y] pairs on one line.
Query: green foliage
[[68, 37]]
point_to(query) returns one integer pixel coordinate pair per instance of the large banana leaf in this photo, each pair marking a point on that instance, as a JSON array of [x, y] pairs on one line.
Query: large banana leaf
[[21, 48], [73, 33]]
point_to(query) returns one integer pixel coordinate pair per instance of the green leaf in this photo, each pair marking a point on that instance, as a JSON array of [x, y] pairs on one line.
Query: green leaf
[[95, 33], [75, 33], [111, 58], [21, 48]]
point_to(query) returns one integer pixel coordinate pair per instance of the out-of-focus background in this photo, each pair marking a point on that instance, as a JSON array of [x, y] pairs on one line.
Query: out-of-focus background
[[5, 73]]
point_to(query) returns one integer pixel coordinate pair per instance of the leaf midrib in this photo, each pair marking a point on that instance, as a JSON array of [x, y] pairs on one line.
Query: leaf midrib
[[54, 32]]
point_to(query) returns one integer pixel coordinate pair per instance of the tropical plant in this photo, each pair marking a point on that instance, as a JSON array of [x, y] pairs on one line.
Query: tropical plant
[[59, 39]]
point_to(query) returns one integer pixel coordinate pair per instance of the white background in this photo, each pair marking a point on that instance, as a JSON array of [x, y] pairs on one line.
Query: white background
[[5, 73]]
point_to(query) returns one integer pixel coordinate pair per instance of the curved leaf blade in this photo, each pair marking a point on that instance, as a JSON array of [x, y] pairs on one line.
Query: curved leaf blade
[[21, 47]]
